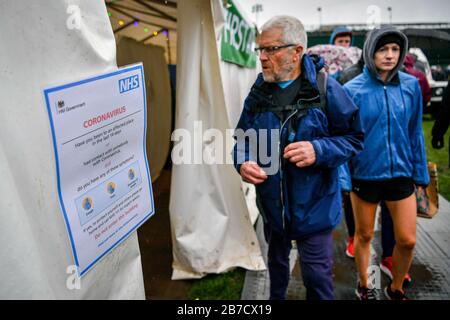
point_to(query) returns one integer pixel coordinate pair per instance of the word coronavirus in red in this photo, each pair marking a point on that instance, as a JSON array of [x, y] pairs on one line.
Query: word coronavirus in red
[[103, 117]]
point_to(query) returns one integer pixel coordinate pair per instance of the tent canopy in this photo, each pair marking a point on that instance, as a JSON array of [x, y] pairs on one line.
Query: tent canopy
[[147, 21]]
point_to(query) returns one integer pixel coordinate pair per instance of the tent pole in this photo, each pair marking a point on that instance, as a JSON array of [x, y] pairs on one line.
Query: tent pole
[[147, 13], [152, 35], [113, 7], [148, 6], [124, 26], [168, 47]]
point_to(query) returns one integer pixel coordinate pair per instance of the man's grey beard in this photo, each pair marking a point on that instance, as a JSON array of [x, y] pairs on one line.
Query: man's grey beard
[[281, 76]]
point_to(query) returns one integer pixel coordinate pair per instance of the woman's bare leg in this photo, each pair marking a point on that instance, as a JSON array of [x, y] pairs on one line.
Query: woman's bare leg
[[404, 215], [364, 213]]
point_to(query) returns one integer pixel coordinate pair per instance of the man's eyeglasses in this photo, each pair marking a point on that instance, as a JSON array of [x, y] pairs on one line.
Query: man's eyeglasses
[[272, 49]]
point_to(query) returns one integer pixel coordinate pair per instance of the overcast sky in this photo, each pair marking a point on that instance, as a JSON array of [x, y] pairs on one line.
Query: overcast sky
[[352, 11]]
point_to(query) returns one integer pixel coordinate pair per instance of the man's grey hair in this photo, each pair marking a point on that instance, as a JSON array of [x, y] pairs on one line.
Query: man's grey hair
[[293, 30]]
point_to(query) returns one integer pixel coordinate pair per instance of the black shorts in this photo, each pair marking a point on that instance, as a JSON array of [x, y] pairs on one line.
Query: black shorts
[[389, 190]]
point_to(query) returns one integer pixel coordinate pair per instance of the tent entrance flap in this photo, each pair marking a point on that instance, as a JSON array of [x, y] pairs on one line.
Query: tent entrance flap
[[211, 226]]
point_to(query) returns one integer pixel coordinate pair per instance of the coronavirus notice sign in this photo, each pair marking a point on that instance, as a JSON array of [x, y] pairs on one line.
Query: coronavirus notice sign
[[104, 186]]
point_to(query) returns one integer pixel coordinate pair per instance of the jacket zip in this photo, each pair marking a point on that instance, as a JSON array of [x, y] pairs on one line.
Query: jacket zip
[[281, 168], [389, 131], [310, 99]]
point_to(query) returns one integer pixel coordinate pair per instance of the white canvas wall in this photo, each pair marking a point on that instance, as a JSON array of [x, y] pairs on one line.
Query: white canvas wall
[[37, 50]]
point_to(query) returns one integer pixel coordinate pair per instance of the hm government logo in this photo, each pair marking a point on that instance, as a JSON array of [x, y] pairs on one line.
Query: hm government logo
[[60, 104]]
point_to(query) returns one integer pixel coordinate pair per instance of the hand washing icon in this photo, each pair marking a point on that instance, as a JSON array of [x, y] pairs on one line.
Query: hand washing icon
[[131, 174], [111, 187], [87, 203]]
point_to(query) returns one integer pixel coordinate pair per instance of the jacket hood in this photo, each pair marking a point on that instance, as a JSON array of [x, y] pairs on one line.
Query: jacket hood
[[370, 44], [317, 61], [339, 30], [311, 65]]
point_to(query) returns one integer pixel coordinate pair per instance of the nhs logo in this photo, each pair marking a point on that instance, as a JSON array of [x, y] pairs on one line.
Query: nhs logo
[[129, 83]]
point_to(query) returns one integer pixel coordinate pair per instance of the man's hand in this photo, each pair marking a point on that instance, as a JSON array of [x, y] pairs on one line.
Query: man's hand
[[301, 153], [252, 173], [437, 142]]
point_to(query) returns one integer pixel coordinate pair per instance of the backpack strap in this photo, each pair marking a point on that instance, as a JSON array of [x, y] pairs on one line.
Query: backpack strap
[[265, 103], [266, 107], [322, 80]]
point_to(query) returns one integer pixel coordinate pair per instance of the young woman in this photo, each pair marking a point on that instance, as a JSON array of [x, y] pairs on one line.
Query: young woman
[[393, 161]]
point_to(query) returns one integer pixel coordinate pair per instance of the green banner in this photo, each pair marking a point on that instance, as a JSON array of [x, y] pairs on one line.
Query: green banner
[[238, 39]]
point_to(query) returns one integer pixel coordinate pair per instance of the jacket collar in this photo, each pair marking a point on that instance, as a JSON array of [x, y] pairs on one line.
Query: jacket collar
[[308, 88], [394, 80]]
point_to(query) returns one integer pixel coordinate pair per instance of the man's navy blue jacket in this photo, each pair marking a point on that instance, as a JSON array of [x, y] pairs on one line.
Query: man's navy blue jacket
[[302, 201]]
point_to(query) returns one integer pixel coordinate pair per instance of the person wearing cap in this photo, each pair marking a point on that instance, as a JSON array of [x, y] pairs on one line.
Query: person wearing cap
[[393, 161], [341, 36]]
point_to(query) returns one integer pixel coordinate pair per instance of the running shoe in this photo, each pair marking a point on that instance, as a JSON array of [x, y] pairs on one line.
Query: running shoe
[[350, 251], [363, 293], [398, 295], [386, 267]]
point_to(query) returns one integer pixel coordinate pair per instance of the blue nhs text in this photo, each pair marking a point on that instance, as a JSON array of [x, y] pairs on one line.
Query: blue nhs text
[[128, 84]]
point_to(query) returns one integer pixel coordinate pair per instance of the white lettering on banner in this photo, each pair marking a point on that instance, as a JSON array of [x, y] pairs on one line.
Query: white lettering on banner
[[238, 39], [234, 28], [237, 33], [244, 46]]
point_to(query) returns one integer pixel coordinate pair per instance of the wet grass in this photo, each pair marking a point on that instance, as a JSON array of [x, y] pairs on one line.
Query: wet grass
[[226, 286], [440, 157]]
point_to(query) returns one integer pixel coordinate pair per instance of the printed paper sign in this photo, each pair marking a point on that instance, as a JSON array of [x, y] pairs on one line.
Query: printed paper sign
[[104, 185]]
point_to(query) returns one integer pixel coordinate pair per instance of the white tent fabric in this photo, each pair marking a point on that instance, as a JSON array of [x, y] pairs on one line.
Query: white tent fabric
[[237, 82], [34, 247], [211, 227]]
